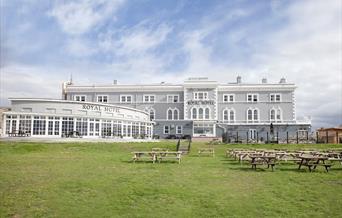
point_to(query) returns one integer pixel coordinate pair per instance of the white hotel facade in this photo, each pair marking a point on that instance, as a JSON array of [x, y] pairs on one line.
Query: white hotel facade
[[199, 108]]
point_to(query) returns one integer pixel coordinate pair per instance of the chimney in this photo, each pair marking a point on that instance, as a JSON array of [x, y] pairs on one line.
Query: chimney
[[282, 80], [264, 80], [115, 82], [238, 79]]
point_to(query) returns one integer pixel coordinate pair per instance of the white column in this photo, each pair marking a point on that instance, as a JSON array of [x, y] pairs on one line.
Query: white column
[[60, 126], [100, 127], [88, 126], [46, 125], [4, 125], [17, 124], [32, 125]]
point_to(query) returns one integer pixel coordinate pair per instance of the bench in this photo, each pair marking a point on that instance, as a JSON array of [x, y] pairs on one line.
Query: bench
[[208, 151]]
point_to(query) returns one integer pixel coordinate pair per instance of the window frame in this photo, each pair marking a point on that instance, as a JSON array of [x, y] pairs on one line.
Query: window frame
[[181, 129], [80, 97], [228, 97], [275, 95], [149, 98], [168, 129], [173, 98], [252, 97], [196, 95], [102, 96], [125, 96]]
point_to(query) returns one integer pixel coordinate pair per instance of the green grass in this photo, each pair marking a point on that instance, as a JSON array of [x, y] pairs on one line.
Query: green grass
[[98, 180]]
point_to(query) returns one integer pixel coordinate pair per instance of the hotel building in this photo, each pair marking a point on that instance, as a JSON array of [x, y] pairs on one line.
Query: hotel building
[[201, 107]]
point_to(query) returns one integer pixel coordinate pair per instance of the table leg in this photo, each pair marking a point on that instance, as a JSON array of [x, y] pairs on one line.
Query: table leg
[[300, 165]]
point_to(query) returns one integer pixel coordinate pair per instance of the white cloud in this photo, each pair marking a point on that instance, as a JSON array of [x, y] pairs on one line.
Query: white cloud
[[134, 40], [81, 16]]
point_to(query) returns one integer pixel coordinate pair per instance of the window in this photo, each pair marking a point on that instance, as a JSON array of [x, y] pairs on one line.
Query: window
[[39, 123], [252, 133], [166, 129], [149, 98], [25, 124], [80, 98], [152, 114], [125, 98], [275, 115], [229, 115], [169, 114], [172, 114], [194, 113], [175, 114], [207, 113], [102, 98], [252, 115], [82, 126], [252, 97], [173, 98], [275, 97], [200, 95], [200, 113], [228, 98], [179, 130], [67, 125]]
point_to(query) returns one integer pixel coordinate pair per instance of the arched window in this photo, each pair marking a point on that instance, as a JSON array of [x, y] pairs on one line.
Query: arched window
[[200, 113], [175, 114], [249, 115], [169, 114], [255, 115], [225, 115], [207, 113], [272, 115], [279, 115], [194, 113], [152, 114], [231, 115]]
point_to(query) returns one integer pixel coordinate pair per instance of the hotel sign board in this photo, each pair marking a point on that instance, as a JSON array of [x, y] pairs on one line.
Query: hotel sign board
[[201, 102], [99, 108]]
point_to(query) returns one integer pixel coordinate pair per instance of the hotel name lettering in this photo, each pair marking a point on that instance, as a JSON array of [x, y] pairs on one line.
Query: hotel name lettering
[[201, 102], [90, 107]]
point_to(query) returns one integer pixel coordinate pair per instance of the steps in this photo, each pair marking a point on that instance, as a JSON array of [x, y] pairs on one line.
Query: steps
[[184, 146]]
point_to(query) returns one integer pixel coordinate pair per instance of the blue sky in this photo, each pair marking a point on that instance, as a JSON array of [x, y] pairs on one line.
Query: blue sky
[[142, 41]]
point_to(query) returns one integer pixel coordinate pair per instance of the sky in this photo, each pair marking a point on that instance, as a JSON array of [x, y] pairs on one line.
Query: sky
[[43, 42]]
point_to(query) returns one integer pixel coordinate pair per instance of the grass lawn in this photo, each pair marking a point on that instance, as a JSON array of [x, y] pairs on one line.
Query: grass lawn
[[99, 180]]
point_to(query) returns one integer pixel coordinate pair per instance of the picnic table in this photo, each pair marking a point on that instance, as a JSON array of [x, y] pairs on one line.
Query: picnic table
[[311, 161], [269, 160], [208, 151], [169, 155], [144, 155]]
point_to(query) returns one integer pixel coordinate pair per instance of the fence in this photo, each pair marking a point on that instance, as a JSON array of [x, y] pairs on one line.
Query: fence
[[299, 137]]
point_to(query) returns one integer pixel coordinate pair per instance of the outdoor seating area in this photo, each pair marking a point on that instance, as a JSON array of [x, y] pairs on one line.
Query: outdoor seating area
[[270, 158]]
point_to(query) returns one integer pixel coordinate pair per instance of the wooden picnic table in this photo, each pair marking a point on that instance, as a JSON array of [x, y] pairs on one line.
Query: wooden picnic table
[[169, 155], [313, 161], [149, 155], [269, 160], [209, 151]]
